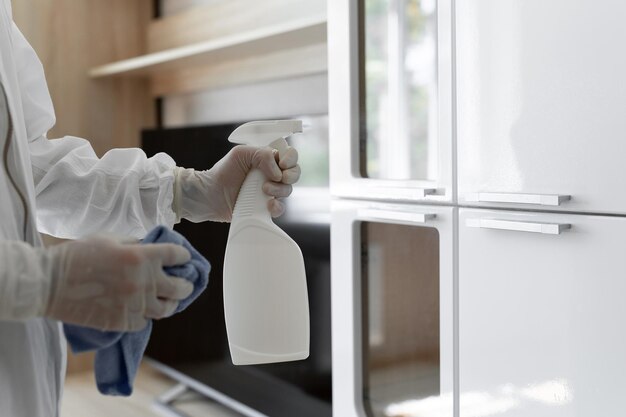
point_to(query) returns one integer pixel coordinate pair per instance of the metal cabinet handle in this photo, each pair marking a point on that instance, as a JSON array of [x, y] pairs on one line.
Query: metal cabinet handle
[[519, 226], [388, 193], [396, 215], [537, 199], [419, 193], [423, 192]]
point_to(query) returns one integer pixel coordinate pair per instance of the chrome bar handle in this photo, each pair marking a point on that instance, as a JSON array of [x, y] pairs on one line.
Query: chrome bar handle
[[519, 226], [402, 216], [424, 192], [519, 198], [385, 193]]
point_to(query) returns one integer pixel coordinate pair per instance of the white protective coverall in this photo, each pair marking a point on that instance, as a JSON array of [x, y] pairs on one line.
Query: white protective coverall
[[61, 188]]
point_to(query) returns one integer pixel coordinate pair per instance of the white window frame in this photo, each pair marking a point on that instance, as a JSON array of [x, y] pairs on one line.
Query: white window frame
[[346, 304], [346, 179]]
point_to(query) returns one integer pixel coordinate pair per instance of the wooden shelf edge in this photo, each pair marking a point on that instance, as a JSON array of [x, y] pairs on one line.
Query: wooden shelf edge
[[165, 60], [298, 62], [203, 83]]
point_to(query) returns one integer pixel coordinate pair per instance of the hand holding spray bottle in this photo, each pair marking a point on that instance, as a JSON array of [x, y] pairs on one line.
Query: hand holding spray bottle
[[265, 294]]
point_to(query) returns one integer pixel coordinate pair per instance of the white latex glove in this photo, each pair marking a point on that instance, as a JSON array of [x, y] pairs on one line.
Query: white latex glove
[[105, 284], [211, 195]]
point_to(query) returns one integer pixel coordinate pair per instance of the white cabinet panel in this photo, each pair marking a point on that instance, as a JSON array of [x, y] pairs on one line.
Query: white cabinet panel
[[392, 309], [541, 314], [390, 100], [541, 102]]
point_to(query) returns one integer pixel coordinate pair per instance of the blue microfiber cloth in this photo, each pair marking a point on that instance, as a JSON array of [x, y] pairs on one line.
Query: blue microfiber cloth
[[118, 354]]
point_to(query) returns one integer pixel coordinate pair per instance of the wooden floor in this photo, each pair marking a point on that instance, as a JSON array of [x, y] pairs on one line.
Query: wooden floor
[[81, 398]]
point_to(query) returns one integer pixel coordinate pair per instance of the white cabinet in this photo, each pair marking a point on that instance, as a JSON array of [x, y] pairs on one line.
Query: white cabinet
[[390, 100], [541, 104], [541, 314], [536, 93], [392, 309]]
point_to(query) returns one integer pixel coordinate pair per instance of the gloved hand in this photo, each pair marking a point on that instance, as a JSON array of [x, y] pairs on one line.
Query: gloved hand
[[108, 285], [211, 195]]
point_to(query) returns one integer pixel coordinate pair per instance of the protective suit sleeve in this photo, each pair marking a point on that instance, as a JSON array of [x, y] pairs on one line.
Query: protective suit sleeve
[[77, 193], [24, 286]]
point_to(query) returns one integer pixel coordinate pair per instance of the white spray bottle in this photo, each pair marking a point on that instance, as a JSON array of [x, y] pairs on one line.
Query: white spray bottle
[[265, 294]]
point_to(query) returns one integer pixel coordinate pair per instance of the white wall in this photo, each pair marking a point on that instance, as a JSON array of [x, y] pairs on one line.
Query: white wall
[[170, 7], [281, 98], [290, 97]]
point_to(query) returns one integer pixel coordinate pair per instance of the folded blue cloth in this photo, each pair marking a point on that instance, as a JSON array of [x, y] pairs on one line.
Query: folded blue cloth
[[118, 354]]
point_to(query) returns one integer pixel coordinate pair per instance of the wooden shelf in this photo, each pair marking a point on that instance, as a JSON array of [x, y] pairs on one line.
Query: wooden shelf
[[296, 62], [267, 40]]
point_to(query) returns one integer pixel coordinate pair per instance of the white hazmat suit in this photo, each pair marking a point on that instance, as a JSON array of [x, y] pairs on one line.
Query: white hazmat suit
[[71, 189], [60, 187]]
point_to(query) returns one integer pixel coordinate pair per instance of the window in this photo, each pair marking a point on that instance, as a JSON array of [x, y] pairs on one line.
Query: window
[[399, 89], [400, 315]]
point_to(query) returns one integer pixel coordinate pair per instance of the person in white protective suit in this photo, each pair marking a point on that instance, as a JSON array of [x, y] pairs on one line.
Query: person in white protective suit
[[60, 187]]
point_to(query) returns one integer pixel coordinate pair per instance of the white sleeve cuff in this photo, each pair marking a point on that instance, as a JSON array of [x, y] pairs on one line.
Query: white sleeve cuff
[[24, 287]]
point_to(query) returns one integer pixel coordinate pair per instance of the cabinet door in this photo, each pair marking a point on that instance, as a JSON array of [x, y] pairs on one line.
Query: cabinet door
[[390, 99], [541, 314], [541, 102], [392, 309]]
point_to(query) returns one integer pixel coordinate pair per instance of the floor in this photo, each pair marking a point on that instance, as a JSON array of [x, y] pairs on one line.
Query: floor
[[81, 398]]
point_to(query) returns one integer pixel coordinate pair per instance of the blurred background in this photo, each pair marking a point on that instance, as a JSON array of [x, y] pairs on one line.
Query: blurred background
[[177, 76]]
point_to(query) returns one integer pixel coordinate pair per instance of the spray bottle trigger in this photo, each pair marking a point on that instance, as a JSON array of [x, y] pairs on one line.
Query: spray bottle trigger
[[280, 145]]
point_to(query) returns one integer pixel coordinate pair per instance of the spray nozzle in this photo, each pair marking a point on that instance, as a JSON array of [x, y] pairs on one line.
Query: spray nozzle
[[265, 133]]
